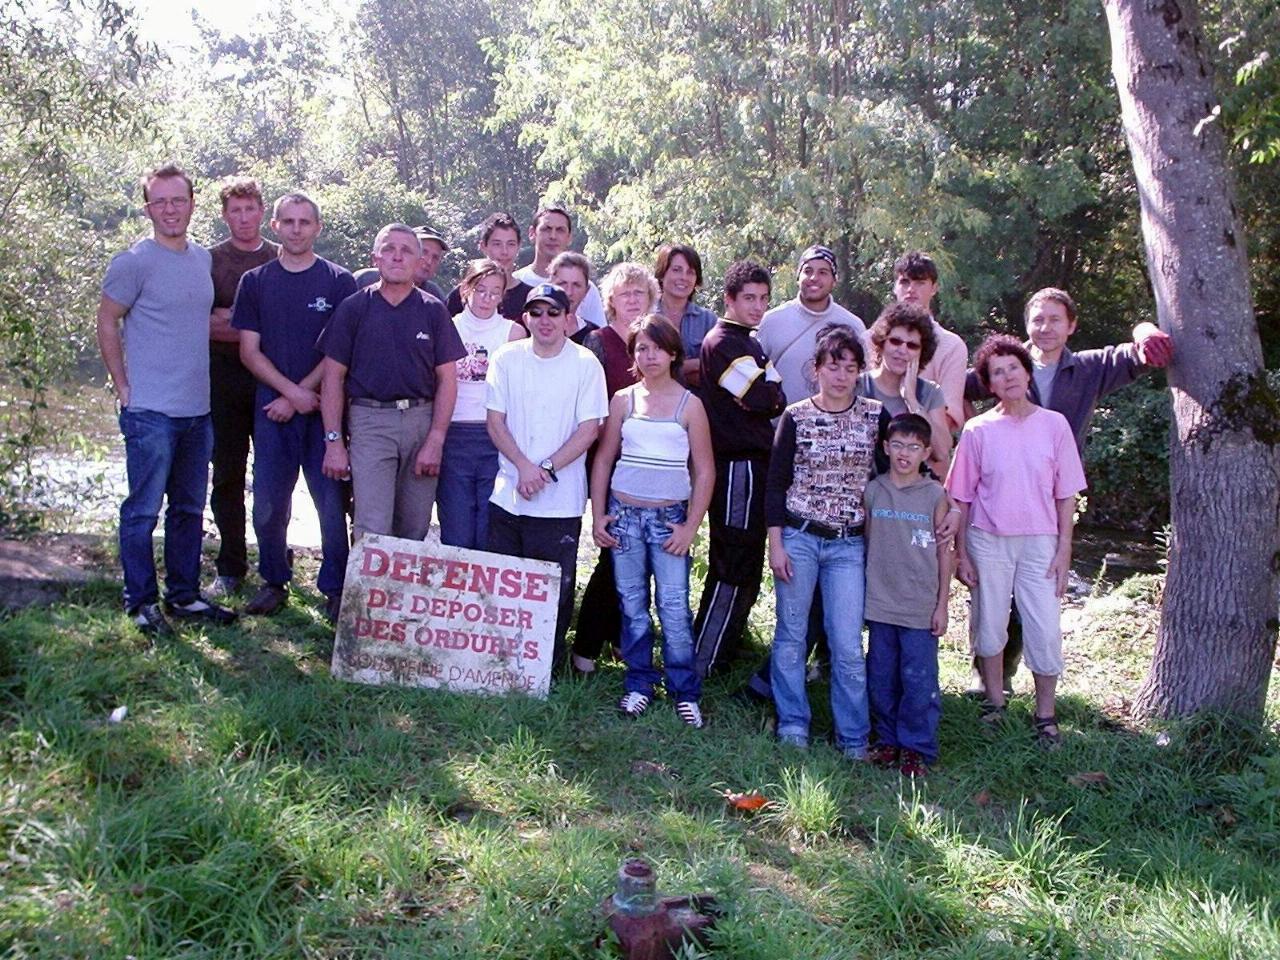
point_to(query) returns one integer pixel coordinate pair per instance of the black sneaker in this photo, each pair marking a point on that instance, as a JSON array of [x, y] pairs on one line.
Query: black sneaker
[[201, 609], [150, 621], [267, 601]]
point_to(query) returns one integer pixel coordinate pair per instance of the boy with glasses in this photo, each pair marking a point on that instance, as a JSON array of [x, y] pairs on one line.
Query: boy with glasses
[[908, 584]]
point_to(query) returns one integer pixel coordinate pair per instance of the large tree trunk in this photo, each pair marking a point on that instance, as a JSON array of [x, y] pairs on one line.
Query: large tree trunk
[[1218, 629]]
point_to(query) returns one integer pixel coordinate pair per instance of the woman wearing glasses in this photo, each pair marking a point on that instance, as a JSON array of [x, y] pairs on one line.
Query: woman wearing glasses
[[902, 342]]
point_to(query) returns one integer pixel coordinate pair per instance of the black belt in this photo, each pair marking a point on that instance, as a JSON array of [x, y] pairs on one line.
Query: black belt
[[389, 404], [824, 531]]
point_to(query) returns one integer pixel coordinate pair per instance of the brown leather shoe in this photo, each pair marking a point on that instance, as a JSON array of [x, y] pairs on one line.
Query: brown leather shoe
[[267, 601]]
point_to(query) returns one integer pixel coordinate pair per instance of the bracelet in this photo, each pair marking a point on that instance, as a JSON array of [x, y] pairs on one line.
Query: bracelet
[[953, 510]]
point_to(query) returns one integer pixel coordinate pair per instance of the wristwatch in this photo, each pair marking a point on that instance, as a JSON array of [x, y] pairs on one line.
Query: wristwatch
[[551, 470], [332, 435]]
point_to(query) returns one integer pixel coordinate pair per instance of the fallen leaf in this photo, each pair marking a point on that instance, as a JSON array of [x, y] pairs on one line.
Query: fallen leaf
[[651, 767], [1091, 778], [745, 802], [982, 798]]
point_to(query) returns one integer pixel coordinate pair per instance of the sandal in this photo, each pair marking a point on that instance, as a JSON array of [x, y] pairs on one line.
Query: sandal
[[1048, 740], [990, 714]]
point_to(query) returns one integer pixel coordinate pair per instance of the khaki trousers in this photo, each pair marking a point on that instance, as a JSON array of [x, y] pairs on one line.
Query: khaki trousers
[[389, 498]]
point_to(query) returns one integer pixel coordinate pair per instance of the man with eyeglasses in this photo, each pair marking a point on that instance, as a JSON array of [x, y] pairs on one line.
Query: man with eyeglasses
[[390, 365], [153, 331], [546, 401]]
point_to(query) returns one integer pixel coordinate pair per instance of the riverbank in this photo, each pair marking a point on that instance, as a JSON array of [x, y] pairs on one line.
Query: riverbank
[[243, 803]]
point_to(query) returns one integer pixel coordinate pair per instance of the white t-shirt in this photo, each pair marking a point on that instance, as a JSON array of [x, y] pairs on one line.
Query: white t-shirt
[[482, 338], [591, 310], [544, 399]]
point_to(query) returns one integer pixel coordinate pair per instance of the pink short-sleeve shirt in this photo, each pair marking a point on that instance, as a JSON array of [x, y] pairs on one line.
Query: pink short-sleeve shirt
[[1012, 469]]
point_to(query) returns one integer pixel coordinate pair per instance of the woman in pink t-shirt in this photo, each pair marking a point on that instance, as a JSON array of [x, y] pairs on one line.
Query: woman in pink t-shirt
[[1015, 478]]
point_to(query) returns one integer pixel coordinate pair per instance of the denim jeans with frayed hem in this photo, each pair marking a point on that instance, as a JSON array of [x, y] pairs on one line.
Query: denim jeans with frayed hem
[[838, 565], [641, 533], [166, 458], [902, 680]]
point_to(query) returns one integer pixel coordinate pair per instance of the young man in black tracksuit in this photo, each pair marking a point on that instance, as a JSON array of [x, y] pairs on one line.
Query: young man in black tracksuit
[[742, 393]]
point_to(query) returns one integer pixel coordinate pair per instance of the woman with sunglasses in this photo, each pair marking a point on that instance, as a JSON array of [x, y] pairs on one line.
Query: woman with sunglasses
[[902, 342]]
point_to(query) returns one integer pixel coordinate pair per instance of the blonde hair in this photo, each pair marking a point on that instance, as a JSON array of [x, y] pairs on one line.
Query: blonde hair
[[628, 274]]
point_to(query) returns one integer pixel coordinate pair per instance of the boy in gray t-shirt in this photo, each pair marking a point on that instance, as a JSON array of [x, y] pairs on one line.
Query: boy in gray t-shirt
[[908, 584]]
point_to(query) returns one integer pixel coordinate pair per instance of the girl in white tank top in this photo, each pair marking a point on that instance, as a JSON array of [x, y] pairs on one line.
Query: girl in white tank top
[[647, 511]]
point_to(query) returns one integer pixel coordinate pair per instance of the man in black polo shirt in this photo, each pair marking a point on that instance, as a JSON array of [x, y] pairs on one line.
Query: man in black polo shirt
[[390, 354]]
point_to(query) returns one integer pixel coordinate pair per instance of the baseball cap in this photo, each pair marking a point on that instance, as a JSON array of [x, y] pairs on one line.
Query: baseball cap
[[548, 293], [426, 233], [819, 252]]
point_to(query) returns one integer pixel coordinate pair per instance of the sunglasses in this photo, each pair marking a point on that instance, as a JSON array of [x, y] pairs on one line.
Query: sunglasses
[[911, 345], [548, 312]]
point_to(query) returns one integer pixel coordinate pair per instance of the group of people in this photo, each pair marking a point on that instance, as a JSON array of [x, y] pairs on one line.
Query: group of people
[[806, 440]]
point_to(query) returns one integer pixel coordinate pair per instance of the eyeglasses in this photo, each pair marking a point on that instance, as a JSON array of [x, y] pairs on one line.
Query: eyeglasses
[[899, 446], [548, 312], [911, 345], [178, 203]]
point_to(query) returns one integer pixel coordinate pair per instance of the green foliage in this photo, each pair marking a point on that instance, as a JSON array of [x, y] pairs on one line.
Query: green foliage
[[1127, 457], [758, 130], [58, 97]]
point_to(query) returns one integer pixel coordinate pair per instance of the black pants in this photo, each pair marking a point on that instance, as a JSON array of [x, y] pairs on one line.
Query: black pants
[[735, 562], [600, 613], [231, 406], [541, 538]]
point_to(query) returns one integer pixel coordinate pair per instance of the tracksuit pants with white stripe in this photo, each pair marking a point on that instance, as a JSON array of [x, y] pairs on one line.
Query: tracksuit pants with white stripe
[[735, 564]]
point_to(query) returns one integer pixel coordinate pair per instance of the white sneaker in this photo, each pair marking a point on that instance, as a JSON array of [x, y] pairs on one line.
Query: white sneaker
[[633, 704], [690, 713]]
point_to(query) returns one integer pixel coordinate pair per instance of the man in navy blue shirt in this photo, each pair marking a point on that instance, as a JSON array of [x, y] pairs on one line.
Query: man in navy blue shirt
[[281, 308], [391, 357]]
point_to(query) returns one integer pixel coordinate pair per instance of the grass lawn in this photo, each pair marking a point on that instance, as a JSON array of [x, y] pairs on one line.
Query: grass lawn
[[250, 806]]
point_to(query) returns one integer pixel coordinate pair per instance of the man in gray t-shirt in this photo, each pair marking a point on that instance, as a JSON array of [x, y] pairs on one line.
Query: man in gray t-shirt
[[160, 292]]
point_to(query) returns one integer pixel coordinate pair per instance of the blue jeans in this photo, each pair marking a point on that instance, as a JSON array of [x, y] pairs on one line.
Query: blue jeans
[[467, 472], [280, 450], [641, 532], [838, 566], [165, 457], [902, 679]]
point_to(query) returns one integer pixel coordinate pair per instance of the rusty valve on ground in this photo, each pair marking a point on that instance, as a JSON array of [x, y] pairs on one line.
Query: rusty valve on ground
[[650, 927]]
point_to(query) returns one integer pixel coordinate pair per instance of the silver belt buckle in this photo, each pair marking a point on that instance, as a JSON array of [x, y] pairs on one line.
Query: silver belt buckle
[[402, 404]]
